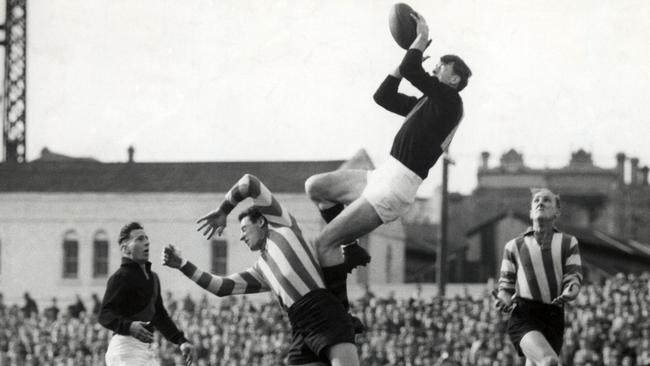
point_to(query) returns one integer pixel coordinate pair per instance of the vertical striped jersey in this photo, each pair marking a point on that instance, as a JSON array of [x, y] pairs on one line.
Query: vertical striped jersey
[[532, 271], [288, 265]]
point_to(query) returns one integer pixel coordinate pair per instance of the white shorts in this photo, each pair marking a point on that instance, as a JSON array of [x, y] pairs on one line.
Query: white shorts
[[391, 189], [128, 351]]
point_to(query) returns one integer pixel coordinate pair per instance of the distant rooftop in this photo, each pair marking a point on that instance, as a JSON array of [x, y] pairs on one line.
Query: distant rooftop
[[59, 173], [512, 162]]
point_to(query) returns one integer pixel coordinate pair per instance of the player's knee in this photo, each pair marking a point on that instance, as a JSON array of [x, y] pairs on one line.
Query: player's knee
[[550, 361], [343, 354], [314, 187]]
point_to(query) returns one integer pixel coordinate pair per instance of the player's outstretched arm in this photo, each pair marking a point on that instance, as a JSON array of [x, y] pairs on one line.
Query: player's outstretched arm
[[246, 282], [249, 186]]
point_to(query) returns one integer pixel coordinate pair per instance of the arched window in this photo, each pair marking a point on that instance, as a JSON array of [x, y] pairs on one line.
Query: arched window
[[100, 254], [70, 255], [219, 257]]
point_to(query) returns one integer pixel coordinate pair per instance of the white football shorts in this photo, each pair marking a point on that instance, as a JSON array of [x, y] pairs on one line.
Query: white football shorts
[[391, 189]]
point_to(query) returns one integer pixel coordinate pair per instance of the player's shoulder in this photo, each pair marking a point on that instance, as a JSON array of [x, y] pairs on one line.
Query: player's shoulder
[[284, 231], [568, 237], [519, 238], [512, 242], [120, 275]]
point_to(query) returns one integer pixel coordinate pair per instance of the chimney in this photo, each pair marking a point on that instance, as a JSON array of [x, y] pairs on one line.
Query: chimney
[[485, 157], [644, 175], [620, 167], [131, 152], [634, 171]]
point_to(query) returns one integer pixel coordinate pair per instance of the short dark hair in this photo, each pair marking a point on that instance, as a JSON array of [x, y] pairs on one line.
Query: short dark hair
[[460, 68], [253, 213], [125, 231]]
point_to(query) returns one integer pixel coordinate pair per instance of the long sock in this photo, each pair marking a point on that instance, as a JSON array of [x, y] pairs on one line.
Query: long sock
[[330, 213], [335, 280]]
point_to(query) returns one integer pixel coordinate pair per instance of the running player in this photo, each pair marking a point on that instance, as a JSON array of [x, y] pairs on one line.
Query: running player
[[355, 202], [541, 271], [287, 266]]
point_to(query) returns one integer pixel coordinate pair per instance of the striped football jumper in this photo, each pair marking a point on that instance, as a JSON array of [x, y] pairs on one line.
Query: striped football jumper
[[532, 271], [288, 264]]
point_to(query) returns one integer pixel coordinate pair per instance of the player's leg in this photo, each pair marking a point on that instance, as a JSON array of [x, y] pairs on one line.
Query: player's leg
[[537, 349], [343, 354], [300, 354], [356, 220], [331, 192], [389, 192]]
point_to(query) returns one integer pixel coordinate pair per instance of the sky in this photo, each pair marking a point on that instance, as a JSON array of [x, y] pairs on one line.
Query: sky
[[236, 80]]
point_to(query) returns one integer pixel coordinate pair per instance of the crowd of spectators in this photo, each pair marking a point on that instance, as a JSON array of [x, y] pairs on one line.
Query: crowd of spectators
[[608, 324]]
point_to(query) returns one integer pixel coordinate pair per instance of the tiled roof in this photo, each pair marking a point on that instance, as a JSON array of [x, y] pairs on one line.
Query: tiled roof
[[93, 176]]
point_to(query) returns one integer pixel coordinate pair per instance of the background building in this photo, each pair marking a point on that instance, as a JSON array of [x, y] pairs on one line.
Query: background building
[[60, 218], [606, 208]]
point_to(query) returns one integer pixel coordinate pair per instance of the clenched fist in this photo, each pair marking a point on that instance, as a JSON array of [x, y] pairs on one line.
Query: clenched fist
[[171, 257]]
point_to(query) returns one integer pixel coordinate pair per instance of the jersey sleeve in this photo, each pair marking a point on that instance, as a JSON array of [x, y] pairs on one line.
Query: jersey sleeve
[[249, 186], [508, 272], [249, 281]]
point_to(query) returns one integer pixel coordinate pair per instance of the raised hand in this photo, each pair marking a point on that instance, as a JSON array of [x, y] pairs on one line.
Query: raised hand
[[422, 40], [421, 26], [215, 221]]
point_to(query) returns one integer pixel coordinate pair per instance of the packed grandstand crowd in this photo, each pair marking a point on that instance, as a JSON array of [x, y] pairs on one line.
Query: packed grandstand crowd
[[608, 324]]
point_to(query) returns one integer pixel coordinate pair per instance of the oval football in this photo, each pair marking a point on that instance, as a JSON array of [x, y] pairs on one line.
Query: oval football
[[402, 26]]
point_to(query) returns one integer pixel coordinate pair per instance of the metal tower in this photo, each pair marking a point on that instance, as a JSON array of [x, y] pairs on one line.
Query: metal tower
[[13, 37]]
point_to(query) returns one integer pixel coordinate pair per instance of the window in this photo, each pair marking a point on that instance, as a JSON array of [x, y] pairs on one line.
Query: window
[[100, 254], [389, 264], [70, 255], [219, 257]]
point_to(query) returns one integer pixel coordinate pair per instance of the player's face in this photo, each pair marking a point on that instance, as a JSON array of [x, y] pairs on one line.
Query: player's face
[[252, 233], [544, 206], [137, 247], [445, 73]]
